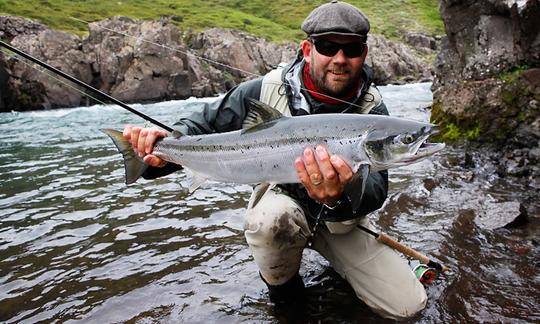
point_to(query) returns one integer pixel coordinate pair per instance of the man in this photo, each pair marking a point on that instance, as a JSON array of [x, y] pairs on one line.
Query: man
[[329, 76]]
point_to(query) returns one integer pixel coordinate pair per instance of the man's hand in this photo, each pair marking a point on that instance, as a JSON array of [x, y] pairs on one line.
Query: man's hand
[[143, 141], [325, 180]]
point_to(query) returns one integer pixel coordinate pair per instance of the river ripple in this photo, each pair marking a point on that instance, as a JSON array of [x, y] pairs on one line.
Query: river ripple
[[76, 244]]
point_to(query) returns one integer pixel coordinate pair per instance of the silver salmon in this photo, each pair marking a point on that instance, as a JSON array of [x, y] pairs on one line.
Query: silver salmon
[[265, 149]]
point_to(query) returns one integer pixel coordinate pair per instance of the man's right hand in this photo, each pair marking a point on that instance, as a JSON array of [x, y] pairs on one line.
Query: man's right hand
[[143, 141]]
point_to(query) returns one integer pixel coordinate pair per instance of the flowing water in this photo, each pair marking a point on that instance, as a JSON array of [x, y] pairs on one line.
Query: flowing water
[[77, 244]]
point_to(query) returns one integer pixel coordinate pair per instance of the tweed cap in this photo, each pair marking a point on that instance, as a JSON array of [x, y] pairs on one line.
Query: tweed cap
[[336, 18]]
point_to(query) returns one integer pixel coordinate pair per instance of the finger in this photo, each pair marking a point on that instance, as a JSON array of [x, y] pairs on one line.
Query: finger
[[154, 161], [127, 132], [141, 143], [153, 135], [134, 137], [344, 171], [312, 167], [302, 172], [326, 168]]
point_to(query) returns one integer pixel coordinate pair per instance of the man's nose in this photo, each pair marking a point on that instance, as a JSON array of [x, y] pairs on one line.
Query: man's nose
[[340, 57]]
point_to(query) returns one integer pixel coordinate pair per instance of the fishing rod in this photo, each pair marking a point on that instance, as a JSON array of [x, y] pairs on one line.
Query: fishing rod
[[84, 85], [424, 273]]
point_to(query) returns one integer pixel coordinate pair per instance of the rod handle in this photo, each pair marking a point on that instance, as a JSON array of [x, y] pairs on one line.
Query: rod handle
[[383, 238]]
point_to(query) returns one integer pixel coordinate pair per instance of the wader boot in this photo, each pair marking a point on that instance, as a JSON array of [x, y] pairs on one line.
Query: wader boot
[[291, 292]]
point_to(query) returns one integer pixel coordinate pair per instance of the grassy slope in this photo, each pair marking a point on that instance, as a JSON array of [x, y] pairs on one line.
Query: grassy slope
[[277, 20]]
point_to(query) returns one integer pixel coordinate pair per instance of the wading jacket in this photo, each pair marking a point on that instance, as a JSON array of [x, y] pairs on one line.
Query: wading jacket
[[283, 89]]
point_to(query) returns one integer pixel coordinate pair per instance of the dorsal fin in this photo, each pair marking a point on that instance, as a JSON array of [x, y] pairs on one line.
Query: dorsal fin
[[258, 113], [177, 134]]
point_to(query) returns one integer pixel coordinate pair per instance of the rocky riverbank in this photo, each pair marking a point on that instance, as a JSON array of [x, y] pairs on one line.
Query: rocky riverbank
[[157, 61], [487, 84]]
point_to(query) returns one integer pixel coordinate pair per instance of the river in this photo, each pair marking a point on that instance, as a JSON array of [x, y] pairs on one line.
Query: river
[[77, 244]]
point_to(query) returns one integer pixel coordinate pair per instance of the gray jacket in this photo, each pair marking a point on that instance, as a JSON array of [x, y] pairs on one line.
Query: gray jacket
[[228, 113]]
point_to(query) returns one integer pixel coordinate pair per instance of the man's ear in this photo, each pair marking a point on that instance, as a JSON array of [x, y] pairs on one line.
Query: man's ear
[[306, 50]]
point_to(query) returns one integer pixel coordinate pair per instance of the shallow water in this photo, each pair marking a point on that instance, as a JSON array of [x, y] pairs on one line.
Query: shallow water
[[77, 244]]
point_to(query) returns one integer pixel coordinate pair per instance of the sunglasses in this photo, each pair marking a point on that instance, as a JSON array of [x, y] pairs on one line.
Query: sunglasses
[[329, 48]]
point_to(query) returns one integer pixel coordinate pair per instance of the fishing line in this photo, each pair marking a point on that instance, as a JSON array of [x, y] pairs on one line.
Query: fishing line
[[84, 85], [170, 48], [142, 39]]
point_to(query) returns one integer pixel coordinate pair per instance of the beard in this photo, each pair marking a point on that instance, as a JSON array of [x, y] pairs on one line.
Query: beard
[[336, 81]]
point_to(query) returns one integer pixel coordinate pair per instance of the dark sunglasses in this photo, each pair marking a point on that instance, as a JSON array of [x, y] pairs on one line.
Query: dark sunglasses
[[329, 48]]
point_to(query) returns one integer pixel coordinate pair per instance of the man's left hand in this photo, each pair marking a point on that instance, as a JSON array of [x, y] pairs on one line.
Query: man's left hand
[[323, 175]]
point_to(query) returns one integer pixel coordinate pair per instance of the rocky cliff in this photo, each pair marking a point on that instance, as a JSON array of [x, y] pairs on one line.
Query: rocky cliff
[[487, 77], [141, 61]]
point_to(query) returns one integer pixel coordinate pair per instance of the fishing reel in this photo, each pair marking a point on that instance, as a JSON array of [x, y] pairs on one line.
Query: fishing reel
[[425, 274]]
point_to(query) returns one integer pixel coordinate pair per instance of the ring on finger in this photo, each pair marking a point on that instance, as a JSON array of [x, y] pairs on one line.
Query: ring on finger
[[316, 179]]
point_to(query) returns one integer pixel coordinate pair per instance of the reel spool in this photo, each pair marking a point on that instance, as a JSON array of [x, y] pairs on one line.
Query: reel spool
[[425, 274]]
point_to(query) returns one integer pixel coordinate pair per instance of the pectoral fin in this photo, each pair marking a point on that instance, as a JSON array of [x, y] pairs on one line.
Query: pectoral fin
[[361, 175], [197, 180], [258, 192]]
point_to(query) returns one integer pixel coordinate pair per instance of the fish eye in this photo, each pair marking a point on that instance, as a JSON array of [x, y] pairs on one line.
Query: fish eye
[[408, 139]]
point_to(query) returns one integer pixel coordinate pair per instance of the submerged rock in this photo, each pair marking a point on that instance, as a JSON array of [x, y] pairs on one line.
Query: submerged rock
[[493, 215]]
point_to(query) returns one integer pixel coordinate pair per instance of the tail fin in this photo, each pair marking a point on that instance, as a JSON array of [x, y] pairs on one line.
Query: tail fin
[[134, 165]]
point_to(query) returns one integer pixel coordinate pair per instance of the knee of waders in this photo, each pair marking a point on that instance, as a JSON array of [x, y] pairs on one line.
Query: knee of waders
[[273, 222]]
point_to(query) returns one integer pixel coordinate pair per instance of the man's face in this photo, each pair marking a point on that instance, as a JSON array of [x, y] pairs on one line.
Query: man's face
[[335, 75]]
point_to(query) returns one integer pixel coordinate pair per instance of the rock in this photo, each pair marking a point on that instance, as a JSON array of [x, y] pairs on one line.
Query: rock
[[422, 43], [141, 61], [5, 91], [483, 87], [248, 56], [393, 62], [488, 36], [493, 215], [133, 70], [36, 90], [11, 27]]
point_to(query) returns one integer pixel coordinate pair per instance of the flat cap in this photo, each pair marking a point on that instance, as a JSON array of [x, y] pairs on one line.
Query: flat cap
[[336, 18]]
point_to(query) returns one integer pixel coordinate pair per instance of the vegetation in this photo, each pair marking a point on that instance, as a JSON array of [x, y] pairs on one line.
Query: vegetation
[[277, 20]]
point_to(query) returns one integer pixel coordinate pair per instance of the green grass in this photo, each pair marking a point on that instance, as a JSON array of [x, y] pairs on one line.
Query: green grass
[[276, 20]]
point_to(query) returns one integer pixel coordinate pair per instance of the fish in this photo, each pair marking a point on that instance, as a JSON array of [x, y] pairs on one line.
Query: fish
[[265, 149]]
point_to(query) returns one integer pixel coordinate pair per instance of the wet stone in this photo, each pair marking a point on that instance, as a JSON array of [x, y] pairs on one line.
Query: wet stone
[[495, 215]]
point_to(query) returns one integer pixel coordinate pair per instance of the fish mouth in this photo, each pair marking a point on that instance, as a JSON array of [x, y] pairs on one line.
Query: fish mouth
[[429, 148], [425, 150]]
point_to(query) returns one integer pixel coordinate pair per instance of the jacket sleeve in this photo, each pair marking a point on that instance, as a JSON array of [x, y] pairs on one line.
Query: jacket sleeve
[[218, 116]]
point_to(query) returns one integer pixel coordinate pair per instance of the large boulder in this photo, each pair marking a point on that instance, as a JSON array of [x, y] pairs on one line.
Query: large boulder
[[134, 70], [234, 57], [31, 89], [395, 62], [486, 87], [486, 37]]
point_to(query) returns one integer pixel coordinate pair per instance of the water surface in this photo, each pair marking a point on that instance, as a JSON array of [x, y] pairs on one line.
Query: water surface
[[77, 244]]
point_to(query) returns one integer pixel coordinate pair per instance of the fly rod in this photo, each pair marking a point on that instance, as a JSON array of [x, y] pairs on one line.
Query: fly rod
[[84, 85], [383, 238]]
